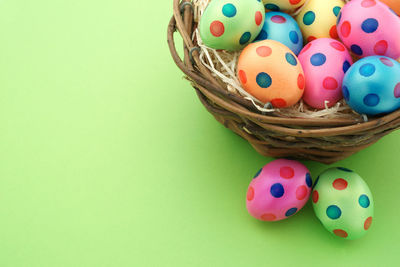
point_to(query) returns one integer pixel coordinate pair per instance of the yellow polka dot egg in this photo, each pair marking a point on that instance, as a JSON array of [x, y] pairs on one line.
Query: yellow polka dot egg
[[288, 6], [317, 19], [271, 72]]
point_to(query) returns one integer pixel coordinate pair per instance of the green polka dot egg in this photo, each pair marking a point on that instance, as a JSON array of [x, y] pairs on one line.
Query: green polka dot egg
[[231, 25], [343, 203]]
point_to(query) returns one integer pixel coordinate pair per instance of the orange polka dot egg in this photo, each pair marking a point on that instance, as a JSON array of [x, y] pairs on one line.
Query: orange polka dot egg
[[271, 72]]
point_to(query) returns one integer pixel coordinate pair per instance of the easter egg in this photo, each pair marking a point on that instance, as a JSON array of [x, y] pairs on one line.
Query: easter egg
[[283, 28], [231, 24], [279, 190], [317, 19], [369, 28], [324, 61], [393, 4], [372, 85], [343, 203], [270, 71], [283, 5]]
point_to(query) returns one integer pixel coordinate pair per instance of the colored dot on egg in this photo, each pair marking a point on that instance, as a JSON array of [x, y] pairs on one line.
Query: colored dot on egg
[[367, 223], [363, 200], [387, 62], [262, 36], [368, 3], [272, 7], [308, 180], [339, 184], [336, 10], [263, 80], [294, 2], [290, 212], [345, 29], [318, 59], [338, 46], [309, 18], [257, 174], [306, 48], [333, 32], [370, 25], [217, 28], [367, 70], [301, 82], [381, 47], [397, 91], [330, 83], [339, 18], [346, 93], [268, 217], [333, 212], [311, 38], [258, 18], [278, 19], [294, 37], [371, 100], [242, 77], [315, 196], [250, 193], [245, 38], [346, 66], [264, 51], [229, 10], [301, 192], [344, 169], [277, 190], [286, 172], [278, 103], [291, 59], [340, 233], [356, 49]]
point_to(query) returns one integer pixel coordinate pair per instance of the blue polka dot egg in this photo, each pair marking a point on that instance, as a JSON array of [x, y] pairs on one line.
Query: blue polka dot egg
[[283, 28], [231, 24], [343, 203], [372, 85]]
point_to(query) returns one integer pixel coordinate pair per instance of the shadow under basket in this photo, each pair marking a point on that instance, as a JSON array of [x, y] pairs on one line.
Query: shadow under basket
[[319, 139]]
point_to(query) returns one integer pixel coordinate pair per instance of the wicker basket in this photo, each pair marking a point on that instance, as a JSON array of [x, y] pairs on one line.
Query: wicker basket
[[322, 140]]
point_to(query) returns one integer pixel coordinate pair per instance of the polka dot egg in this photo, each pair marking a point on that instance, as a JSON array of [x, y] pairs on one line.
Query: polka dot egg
[[279, 190], [270, 71], [393, 4], [343, 203], [317, 19], [372, 85], [324, 61], [283, 5], [231, 25], [283, 28], [369, 27]]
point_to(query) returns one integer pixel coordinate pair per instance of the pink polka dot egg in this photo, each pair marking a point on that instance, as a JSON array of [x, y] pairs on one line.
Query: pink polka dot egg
[[325, 62], [279, 190], [231, 24], [369, 27]]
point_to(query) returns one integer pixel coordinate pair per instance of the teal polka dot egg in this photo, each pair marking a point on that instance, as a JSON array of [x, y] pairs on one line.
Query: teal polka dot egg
[[283, 28], [231, 24], [372, 85], [343, 203]]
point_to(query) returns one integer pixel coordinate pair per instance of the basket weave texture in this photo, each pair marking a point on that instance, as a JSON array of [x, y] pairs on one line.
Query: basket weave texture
[[318, 139]]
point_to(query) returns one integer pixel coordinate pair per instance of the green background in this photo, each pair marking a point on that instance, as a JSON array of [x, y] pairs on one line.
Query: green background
[[107, 158]]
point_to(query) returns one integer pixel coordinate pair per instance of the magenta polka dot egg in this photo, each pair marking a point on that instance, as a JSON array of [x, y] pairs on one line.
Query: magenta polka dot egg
[[369, 27], [231, 24], [279, 190], [325, 62]]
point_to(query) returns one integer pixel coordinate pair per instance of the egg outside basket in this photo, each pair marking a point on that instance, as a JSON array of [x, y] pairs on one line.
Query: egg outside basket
[[319, 139]]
